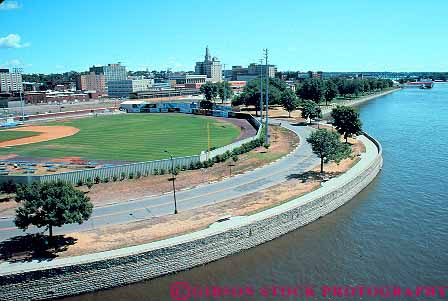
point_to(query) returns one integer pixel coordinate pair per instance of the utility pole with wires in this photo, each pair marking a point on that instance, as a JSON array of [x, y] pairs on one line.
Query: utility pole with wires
[[267, 98], [261, 91]]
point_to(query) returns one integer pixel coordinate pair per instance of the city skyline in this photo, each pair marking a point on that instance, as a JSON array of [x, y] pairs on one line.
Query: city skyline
[[345, 36]]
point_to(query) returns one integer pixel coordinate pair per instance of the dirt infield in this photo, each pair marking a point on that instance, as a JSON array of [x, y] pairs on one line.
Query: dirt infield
[[47, 133]]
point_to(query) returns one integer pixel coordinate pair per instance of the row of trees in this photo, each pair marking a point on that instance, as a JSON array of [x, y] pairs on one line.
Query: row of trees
[[308, 94], [319, 90]]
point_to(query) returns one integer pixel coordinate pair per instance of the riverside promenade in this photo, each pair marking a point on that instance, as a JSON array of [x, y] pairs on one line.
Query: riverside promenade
[[86, 273]]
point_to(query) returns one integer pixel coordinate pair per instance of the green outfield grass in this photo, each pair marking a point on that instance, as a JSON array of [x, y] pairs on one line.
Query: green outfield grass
[[132, 137], [11, 135]]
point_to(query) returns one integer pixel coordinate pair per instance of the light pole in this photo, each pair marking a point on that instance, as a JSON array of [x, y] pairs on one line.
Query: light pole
[[173, 179], [19, 71], [267, 98], [261, 91], [224, 87], [169, 82]]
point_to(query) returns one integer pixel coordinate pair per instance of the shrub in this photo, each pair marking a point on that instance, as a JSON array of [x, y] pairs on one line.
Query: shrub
[[266, 145], [192, 166], [131, 175], [106, 180], [114, 178], [198, 165], [123, 176], [139, 174], [8, 187], [79, 183], [235, 158], [176, 171], [184, 167], [89, 183], [162, 171], [97, 180], [155, 172]]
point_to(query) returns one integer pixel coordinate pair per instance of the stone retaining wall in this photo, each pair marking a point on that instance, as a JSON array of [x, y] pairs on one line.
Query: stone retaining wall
[[88, 273]]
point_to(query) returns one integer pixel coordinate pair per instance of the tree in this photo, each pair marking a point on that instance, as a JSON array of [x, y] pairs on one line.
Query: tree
[[328, 147], [251, 93], [312, 89], [331, 91], [346, 120], [224, 86], [51, 204], [206, 105], [289, 101], [310, 109], [210, 91]]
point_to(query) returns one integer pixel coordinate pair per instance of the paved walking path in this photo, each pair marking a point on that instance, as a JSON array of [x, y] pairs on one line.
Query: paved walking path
[[299, 161]]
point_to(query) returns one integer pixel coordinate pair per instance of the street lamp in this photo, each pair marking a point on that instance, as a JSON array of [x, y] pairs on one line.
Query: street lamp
[[173, 179], [267, 98]]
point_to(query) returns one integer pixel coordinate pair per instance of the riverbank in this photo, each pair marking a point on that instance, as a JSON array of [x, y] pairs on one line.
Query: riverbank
[[76, 275], [356, 102]]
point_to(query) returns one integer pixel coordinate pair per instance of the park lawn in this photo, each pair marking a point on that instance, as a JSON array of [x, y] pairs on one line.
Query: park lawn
[[12, 135], [133, 137]]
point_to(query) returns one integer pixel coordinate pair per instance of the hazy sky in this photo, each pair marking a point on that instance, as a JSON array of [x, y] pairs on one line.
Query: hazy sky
[[330, 35]]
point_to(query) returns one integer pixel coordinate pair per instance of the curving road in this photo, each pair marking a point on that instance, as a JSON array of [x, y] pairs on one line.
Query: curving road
[[299, 161]]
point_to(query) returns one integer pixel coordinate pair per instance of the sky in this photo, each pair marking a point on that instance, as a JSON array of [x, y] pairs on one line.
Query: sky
[[54, 36]]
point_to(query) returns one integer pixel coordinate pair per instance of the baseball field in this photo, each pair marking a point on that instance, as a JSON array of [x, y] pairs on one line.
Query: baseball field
[[129, 137]]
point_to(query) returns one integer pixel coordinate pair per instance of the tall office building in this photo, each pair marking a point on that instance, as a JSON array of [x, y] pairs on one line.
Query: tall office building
[[92, 81], [211, 67], [111, 72], [10, 82]]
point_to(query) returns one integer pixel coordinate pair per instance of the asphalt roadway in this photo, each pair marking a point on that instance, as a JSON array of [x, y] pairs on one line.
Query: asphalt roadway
[[299, 161]]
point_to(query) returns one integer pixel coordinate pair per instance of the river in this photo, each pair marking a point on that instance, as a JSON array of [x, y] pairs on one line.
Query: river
[[395, 232]]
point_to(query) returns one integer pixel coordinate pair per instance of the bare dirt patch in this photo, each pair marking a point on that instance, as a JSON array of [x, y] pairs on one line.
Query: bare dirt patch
[[47, 133]]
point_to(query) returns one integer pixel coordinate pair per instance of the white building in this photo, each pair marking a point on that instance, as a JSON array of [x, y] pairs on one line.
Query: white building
[[10, 82], [122, 88]]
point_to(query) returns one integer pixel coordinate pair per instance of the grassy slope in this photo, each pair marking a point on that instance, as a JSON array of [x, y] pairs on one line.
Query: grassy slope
[[133, 137], [11, 135]]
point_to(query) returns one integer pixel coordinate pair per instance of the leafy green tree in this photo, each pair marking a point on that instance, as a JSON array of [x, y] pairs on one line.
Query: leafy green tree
[[206, 105], [328, 147], [251, 93], [310, 109], [51, 204], [312, 89], [331, 91], [210, 91], [224, 86], [289, 101], [346, 121]]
